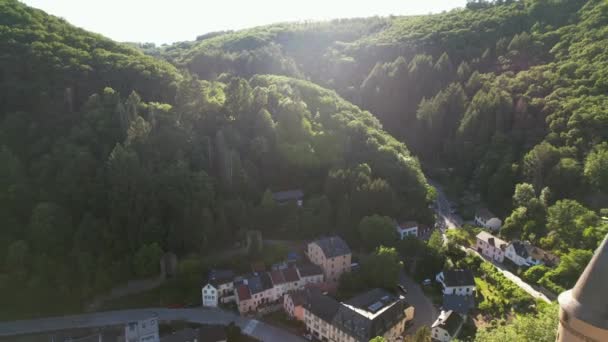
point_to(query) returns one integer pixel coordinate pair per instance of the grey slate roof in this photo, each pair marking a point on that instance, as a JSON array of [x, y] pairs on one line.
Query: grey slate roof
[[309, 269], [458, 278], [484, 213], [450, 323], [376, 322], [322, 306], [289, 195], [254, 283], [587, 301], [266, 280], [460, 304], [218, 277], [333, 246], [520, 248]]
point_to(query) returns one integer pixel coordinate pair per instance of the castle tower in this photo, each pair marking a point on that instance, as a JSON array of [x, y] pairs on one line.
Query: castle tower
[[583, 314]]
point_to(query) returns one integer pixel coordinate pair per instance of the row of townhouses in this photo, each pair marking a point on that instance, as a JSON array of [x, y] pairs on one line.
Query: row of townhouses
[[361, 318], [521, 253], [328, 259]]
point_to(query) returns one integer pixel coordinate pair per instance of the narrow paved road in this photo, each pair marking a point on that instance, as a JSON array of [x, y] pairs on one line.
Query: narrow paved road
[[424, 310], [453, 221], [257, 329]]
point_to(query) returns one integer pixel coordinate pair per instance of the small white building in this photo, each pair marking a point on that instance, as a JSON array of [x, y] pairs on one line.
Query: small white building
[[142, 330], [447, 326], [218, 289], [491, 246], [485, 218], [524, 254], [457, 282], [210, 296], [405, 229]]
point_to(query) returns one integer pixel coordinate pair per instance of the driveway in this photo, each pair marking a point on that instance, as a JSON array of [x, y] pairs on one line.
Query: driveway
[[257, 329], [424, 310]]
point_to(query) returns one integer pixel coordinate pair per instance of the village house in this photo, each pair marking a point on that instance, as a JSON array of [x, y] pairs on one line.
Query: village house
[[244, 301], [485, 218], [405, 229], [363, 317], [310, 273], [279, 283], [332, 254], [491, 246], [457, 282], [525, 254], [293, 303], [219, 288], [290, 196], [447, 326]]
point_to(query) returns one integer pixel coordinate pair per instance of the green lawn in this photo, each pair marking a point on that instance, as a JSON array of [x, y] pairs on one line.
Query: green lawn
[[486, 290]]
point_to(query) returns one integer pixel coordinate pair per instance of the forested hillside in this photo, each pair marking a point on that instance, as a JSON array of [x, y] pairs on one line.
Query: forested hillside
[[112, 154], [487, 96], [110, 157]]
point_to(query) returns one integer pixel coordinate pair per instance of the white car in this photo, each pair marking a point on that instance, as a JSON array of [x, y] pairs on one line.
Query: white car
[[426, 282]]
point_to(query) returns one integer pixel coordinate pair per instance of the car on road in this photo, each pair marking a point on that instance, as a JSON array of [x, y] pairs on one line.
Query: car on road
[[308, 337], [426, 282], [402, 288]]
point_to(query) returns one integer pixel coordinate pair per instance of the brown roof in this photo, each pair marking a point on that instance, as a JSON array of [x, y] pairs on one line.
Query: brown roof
[[290, 274], [243, 292], [277, 277]]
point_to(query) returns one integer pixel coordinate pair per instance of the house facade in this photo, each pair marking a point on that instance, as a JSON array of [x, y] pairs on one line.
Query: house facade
[[526, 255], [485, 218], [491, 246], [409, 228], [244, 300], [447, 326], [457, 282], [219, 288], [210, 296], [332, 254]]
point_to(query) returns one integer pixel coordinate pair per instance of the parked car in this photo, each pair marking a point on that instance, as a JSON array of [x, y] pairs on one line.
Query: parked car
[[426, 282], [308, 337]]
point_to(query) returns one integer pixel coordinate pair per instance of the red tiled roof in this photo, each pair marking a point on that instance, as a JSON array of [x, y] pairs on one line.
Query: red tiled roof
[[277, 277], [243, 292], [290, 274]]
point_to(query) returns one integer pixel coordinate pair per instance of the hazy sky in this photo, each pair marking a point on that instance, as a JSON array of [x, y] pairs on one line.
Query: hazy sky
[[163, 21]]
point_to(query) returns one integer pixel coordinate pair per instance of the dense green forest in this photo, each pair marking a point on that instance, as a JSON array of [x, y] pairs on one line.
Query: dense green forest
[[110, 157], [486, 96], [112, 153]]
